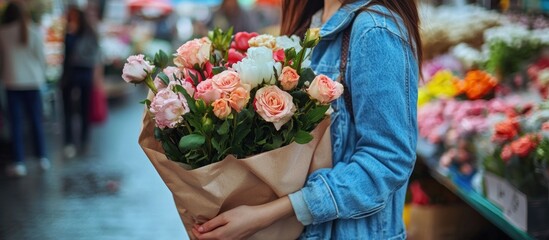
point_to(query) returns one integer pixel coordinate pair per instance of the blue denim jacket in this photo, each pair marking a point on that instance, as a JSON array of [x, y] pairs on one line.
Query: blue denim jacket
[[362, 196]]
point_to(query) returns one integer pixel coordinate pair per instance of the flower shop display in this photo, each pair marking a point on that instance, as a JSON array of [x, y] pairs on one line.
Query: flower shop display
[[481, 109], [239, 120]]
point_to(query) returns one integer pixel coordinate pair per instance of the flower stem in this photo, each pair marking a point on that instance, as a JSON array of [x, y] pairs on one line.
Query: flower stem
[[300, 57], [149, 82]]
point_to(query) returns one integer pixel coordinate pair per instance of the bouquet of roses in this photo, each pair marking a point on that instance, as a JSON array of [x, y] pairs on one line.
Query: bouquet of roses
[[239, 120]]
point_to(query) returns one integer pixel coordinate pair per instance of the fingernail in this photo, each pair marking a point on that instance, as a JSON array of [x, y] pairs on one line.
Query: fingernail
[[200, 229]]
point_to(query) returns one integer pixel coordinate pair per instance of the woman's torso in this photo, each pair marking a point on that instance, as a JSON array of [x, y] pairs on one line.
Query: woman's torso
[[387, 223], [23, 64]]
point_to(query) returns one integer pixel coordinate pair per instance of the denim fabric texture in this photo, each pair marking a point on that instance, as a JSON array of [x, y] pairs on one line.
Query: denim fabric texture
[[362, 196]]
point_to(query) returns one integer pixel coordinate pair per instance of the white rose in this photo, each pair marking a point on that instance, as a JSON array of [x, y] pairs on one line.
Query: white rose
[[257, 67], [286, 42]]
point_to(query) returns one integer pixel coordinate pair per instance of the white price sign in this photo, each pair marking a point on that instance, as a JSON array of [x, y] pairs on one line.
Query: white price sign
[[498, 190], [516, 209]]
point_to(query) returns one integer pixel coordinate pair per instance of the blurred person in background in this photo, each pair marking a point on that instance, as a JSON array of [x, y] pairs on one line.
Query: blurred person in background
[[23, 74], [81, 58], [231, 14]]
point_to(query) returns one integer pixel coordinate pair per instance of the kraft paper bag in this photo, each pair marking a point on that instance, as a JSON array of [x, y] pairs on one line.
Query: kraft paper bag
[[203, 193]]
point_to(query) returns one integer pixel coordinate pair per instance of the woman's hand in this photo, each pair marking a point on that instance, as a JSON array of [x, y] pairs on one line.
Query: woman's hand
[[243, 221]]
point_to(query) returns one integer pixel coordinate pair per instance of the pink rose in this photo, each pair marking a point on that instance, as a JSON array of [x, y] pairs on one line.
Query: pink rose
[[241, 39], [289, 78], [235, 56], [506, 153], [168, 108], [159, 84], [239, 98], [206, 92], [193, 52], [136, 69], [226, 81], [173, 74], [324, 89], [187, 85], [221, 108], [274, 105], [206, 72]]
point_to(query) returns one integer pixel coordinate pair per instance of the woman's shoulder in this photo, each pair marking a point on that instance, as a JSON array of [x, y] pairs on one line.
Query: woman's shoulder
[[379, 17]]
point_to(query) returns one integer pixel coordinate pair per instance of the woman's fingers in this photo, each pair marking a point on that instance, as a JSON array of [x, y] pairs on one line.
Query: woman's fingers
[[213, 224]]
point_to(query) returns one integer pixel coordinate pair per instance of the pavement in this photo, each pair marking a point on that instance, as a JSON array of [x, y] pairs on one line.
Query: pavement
[[112, 192]]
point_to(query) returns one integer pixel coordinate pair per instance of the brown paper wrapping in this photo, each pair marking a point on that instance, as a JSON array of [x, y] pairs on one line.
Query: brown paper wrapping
[[203, 193]]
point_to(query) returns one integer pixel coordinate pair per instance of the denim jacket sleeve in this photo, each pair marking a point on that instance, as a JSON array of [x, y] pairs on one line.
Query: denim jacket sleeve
[[382, 77]]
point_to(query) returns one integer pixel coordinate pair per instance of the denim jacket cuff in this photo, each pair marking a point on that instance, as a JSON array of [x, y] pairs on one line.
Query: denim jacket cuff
[[320, 200], [300, 208]]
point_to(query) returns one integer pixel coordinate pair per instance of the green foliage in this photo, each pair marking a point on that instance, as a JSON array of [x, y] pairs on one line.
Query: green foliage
[[161, 60], [505, 60]]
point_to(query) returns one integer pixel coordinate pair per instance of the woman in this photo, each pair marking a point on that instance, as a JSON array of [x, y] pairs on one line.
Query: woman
[[373, 131], [23, 74], [81, 57]]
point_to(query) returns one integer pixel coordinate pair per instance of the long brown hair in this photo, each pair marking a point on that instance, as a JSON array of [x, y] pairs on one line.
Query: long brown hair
[[297, 14], [15, 12]]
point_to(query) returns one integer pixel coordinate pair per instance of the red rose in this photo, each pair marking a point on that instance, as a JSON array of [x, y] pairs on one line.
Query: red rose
[[279, 55], [505, 131], [235, 56], [241, 39], [524, 145]]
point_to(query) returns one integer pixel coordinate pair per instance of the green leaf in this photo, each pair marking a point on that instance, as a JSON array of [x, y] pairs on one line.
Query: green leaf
[[165, 79], [303, 137], [191, 141], [158, 133], [218, 70], [306, 75], [161, 59], [317, 113], [224, 128], [147, 103], [190, 101]]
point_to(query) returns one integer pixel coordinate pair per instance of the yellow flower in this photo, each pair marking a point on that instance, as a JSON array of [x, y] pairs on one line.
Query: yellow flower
[[423, 97], [442, 84]]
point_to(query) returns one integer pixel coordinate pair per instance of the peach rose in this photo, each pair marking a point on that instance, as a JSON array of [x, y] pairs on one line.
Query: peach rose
[[274, 105], [289, 78], [524, 145], [324, 89], [221, 108], [193, 52], [206, 92], [226, 81], [239, 98]]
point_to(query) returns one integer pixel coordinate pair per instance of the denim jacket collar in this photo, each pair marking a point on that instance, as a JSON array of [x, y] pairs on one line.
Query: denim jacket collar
[[341, 19]]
